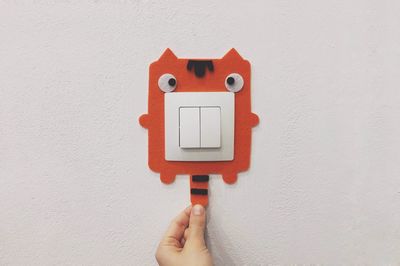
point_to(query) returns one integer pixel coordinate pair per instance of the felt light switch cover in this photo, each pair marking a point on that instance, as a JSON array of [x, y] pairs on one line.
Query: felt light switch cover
[[171, 74]]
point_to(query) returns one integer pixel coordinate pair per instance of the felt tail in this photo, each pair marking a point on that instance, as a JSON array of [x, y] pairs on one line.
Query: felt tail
[[199, 189]]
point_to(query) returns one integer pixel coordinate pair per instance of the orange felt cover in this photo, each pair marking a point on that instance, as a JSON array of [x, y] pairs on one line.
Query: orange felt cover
[[214, 80]]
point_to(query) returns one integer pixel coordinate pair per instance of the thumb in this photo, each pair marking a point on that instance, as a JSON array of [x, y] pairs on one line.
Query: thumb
[[197, 224]]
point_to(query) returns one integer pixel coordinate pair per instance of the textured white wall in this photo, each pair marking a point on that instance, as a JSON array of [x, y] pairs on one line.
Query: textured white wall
[[324, 184]]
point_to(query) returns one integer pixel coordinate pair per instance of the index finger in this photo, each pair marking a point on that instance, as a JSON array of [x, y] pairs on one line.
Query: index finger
[[177, 227]]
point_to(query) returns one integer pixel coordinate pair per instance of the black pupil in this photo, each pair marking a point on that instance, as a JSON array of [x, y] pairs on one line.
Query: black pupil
[[230, 81], [171, 82]]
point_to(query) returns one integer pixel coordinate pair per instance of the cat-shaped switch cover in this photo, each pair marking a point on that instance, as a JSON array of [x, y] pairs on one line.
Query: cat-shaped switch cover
[[199, 119]]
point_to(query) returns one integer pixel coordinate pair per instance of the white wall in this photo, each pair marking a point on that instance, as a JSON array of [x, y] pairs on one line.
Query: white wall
[[324, 184]]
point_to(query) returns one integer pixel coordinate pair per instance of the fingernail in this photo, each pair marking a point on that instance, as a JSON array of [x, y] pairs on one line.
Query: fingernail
[[198, 210]]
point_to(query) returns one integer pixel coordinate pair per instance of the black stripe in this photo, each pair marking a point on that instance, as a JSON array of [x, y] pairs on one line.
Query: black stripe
[[200, 178], [200, 67], [199, 191]]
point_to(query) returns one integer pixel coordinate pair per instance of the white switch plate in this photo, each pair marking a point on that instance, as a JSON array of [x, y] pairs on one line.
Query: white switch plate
[[200, 127], [224, 102]]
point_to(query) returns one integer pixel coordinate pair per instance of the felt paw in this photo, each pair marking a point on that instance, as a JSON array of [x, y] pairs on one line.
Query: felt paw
[[144, 120], [167, 178], [254, 120], [229, 178]]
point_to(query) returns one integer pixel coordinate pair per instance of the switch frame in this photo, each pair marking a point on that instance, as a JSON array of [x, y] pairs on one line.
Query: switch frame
[[176, 100]]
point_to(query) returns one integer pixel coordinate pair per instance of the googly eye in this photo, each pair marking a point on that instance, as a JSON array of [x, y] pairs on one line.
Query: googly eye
[[234, 82], [167, 83]]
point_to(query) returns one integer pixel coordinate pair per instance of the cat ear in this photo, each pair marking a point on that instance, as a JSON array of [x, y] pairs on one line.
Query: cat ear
[[167, 55], [232, 54]]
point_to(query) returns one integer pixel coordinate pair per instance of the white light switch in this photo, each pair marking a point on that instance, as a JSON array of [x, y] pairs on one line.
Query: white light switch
[[189, 127], [199, 126], [210, 127]]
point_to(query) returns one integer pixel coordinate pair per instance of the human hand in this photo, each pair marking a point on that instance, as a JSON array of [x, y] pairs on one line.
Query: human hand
[[183, 243]]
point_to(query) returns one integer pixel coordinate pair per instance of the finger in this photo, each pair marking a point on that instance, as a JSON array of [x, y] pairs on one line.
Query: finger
[[186, 234], [183, 241], [177, 227], [197, 225], [185, 237]]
